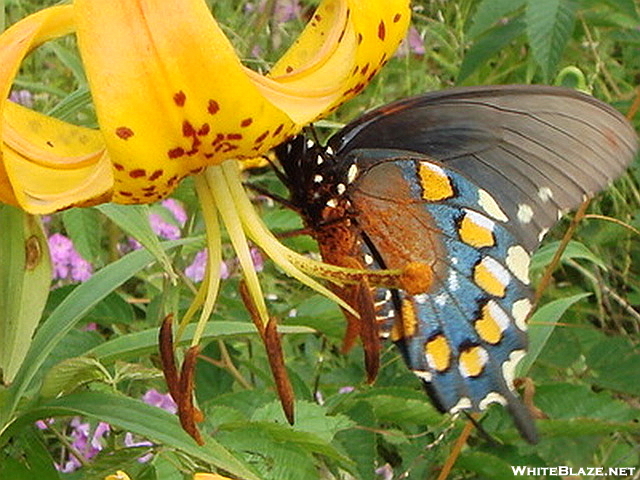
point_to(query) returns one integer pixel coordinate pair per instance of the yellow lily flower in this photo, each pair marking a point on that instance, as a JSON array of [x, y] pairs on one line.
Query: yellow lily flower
[[173, 99], [172, 96]]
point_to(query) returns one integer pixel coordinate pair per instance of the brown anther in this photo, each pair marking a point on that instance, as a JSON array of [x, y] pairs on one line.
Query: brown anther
[[271, 340], [417, 277], [167, 359], [189, 414], [181, 385]]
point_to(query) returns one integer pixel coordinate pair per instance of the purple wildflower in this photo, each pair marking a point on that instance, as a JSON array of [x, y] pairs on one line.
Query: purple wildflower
[[195, 271], [347, 389], [23, 97], [169, 230], [284, 10], [84, 443], [161, 400], [68, 264], [385, 471], [413, 44]]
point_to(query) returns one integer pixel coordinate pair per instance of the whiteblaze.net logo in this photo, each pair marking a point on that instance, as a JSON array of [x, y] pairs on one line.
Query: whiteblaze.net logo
[[564, 470]]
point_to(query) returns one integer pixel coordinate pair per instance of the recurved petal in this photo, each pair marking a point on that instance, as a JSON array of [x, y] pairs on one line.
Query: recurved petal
[[170, 93], [52, 164], [15, 43], [344, 45]]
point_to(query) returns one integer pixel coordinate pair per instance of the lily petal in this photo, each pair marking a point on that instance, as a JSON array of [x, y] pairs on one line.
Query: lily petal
[[15, 44], [170, 93], [343, 46], [53, 164]]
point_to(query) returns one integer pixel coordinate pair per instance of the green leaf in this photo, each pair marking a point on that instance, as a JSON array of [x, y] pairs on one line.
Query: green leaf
[[69, 374], [541, 325], [83, 227], [134, 345], [25, 278], [134, 220], [574, 250], [619, 371], [488, 44], [626, 7], [137, 417], [549, 27], [489, 13], [360, 442]]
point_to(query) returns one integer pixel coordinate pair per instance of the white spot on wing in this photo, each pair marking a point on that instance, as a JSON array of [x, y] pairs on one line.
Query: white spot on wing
[[352, 172], [329, 150], [545, 194], [318, 178], [542, 233], [492, 397], [310, 143], [332, 203], [441, 299], [319, 160], [520, 311], [518, 261], [423, 375], [525, 213], [463, 404], [509, 367], [340, 188], [499, 315], [489, 205], [497, 271], [481, 220]]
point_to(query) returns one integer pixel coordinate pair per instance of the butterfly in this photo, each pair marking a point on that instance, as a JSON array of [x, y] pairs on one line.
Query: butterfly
[[464, 183]]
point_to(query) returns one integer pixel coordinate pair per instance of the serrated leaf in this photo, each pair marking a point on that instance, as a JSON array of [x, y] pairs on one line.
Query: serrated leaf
[[541, 326], [360, 443], [70, 374], [134, 220], [83, 227], [486, 46], [620, 371], [25, 278], [549, 27], [489, 13]]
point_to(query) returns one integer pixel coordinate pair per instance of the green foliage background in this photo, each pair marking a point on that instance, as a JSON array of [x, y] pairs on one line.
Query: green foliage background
[[584, 361]]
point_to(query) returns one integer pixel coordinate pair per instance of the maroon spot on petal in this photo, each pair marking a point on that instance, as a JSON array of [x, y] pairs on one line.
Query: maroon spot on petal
[[397, 17], [125, 194], [176, 152], [124, 132], [278, 130], [187, 129], [137, 173], [381, 30], [289, 69], [204, 130], [118, 167], [50, 143], [234, 136], [213, 107], [262, 136], [150, 194], [364, 69], [341, 35], [156, 175], [218, 139], [172, 180], [360, 38], [179, 98], [149, 189], [208, 155], [317, 17], [246, 122]]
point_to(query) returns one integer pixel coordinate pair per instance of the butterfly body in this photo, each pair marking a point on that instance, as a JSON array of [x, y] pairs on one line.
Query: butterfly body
[[464, 182]]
